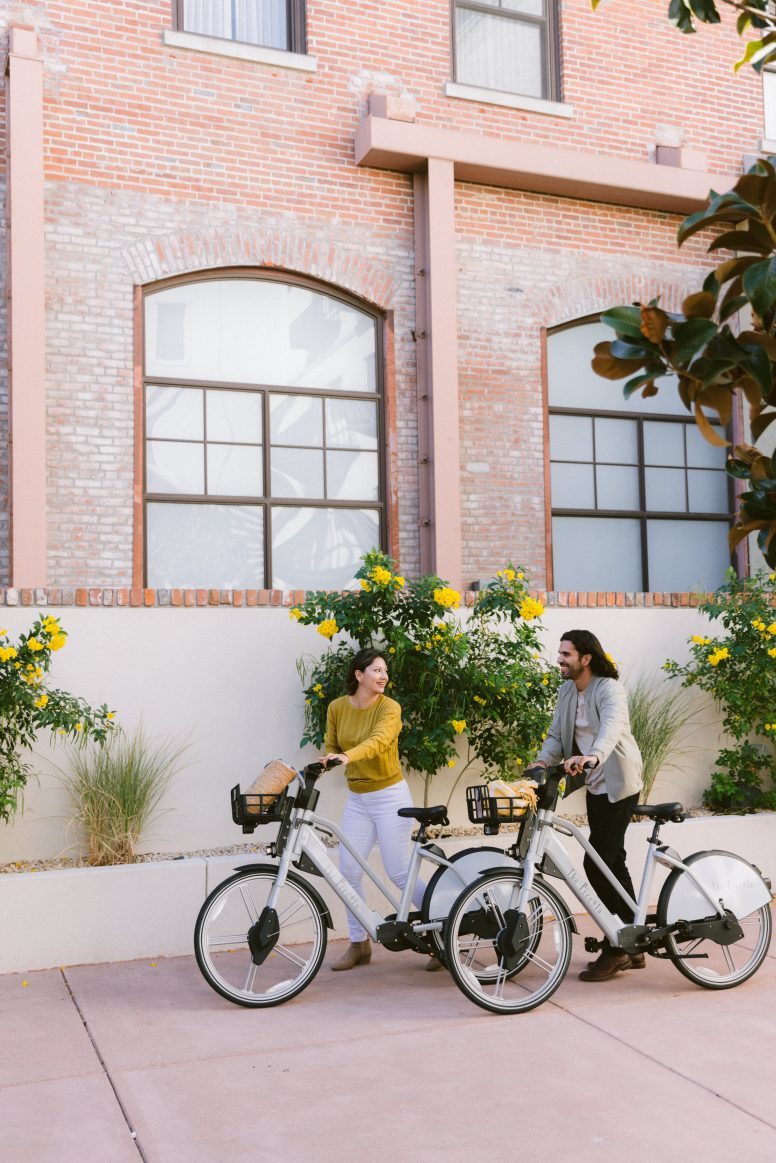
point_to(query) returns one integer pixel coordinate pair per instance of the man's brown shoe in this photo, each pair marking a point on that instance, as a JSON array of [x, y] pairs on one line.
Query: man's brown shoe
[[637, 961], [357, 953], [608, 965], [433, 964]]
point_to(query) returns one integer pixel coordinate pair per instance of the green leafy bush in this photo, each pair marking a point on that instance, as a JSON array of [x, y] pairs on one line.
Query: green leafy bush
[[483, 679], [738, 669], [28, 705]]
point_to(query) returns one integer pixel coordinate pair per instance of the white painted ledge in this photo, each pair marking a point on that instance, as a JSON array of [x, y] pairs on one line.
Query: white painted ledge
[[510, 100], [258, 54]]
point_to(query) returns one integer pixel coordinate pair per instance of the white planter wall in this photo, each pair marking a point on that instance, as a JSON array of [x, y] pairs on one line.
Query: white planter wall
[[224, 681], [92, 915]]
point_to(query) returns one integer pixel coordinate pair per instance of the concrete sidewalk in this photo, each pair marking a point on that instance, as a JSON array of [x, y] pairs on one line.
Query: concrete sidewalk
[[140, 1060]]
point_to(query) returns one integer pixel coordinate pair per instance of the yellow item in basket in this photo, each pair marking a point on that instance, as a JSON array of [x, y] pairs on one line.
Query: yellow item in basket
[[273, 780], [521, 793]]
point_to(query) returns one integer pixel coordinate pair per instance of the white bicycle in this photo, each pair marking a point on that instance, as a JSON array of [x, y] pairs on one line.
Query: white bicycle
[[508, 935], [260, 936]]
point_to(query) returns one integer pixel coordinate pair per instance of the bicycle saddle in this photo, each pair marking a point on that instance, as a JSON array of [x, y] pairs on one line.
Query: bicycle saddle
[[436, 815], [661, 812]]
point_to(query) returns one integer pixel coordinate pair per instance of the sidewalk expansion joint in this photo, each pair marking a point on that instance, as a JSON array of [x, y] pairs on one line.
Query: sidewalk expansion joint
[[106, 1072]]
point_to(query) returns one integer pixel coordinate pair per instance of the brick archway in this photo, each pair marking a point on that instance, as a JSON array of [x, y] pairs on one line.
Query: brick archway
[[188, 251], [579, 298]]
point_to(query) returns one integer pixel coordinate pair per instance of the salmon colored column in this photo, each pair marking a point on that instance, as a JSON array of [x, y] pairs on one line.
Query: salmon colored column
[[26, 324], [437, 343]]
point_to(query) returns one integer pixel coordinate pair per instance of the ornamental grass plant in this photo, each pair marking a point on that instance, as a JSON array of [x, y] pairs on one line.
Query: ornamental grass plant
[[115, 791], [482, 681], [659, 716]]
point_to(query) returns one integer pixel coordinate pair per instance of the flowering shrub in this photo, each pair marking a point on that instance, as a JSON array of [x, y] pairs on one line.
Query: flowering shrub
[[738, 669], [484, 679], [28, 705]]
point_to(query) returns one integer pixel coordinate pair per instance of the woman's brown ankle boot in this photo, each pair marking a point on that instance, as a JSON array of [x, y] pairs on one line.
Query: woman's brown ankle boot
[[357, 953]]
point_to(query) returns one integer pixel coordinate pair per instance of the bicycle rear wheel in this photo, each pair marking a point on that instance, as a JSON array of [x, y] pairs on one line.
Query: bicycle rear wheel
[[287, 953], [702, 960], [447, 884], [497, 979]]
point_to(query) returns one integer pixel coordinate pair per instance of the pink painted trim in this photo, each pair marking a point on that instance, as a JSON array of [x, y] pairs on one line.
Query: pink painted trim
[[396, 145], [26, 323]]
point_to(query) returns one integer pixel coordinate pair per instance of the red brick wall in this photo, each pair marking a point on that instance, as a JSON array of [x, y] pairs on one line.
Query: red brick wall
[[160, 161]]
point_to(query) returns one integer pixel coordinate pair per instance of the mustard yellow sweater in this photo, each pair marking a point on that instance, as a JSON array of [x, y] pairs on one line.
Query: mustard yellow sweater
[[369, 738]]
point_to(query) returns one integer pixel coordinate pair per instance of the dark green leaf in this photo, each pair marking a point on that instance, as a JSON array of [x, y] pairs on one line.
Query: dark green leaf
[[624, 320], [636, 383], [745, 240], [691, 337], [760, 286]]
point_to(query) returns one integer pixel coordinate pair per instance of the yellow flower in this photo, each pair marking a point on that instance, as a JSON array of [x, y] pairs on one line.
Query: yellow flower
[[772, 628], [58, 641], [34, 645], [308, 701], [518, 763], [772, 652], [451, 763], [427, 645], [365, 586], [509, 574], [530, 609], [479, 700], [380, 575], [79, 726], [545, 681], [398, 581], [391, 649], [458, 725], [3, 633], [520, 576], [447, 597], [719, 655], [111, 715], [699, 640], [417, 648], [8, 652], [295, 613], [41, 702], [328, 628], [770, 726]]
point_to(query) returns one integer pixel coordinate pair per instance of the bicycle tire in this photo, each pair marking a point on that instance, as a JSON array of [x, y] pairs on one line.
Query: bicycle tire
[[298, 941], [477, 966], [444, 887], [702, 960]]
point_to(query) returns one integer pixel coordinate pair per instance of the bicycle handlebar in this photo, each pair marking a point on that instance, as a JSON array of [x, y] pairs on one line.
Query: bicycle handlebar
[[313, 771]]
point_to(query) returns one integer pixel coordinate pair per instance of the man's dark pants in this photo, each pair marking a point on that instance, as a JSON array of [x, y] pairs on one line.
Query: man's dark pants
[[607, 836]]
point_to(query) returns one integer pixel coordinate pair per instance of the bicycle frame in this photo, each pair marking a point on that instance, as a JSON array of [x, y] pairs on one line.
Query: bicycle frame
[[545, 844], [303, 841]]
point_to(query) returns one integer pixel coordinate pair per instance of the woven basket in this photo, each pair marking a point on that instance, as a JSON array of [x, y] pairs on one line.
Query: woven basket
[[514, 799], [272, 781]]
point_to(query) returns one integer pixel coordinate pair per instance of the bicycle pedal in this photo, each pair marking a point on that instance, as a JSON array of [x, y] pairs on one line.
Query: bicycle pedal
[[593, 945]]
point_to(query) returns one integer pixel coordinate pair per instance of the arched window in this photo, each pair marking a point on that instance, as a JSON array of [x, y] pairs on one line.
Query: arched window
[[640, 501], [263, 434]]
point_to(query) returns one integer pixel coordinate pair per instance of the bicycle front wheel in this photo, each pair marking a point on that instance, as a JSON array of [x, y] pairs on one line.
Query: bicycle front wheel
[[699, 959], [286, 956], [507, 980]]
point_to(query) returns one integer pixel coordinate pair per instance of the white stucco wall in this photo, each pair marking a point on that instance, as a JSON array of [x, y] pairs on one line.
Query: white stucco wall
[[224, 682]]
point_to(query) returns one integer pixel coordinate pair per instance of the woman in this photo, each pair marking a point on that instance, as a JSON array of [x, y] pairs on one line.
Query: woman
[[362, 731]]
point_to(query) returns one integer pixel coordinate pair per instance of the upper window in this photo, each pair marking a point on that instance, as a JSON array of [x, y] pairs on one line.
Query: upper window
[[510, 45], [263, 431], [640, 501], [271, 23]]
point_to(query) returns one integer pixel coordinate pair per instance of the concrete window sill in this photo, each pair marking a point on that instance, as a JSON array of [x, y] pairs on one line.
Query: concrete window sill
[[258, 54], [509, 100]]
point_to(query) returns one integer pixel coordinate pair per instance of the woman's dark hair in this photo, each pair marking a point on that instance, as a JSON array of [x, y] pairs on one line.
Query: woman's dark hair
[[586, 643], [360, 661]]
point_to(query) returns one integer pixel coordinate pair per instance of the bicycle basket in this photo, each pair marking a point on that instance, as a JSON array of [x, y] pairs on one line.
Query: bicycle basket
[[262, 802], [252, 808], [486, 807]]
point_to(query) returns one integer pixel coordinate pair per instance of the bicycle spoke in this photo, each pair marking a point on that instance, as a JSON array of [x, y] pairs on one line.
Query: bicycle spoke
[[284, 951], [539, 962], [729, 958], [250, 908], [250, 978], [227, 939]]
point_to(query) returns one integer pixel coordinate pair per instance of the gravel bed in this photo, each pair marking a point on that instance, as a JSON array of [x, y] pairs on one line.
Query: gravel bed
[[254, 849]]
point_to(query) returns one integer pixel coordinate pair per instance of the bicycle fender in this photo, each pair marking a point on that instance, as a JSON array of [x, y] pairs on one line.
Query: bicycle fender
[[562, 906], [727, 878], [323, 908]]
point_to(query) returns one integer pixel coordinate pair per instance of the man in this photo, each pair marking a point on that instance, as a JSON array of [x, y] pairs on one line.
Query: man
[[591, 725]]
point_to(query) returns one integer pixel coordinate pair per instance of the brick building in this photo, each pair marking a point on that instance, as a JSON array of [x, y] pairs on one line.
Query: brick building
[[288, 279]]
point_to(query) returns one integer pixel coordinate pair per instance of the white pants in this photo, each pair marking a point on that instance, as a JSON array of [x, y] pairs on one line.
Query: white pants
[[372, 816]]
